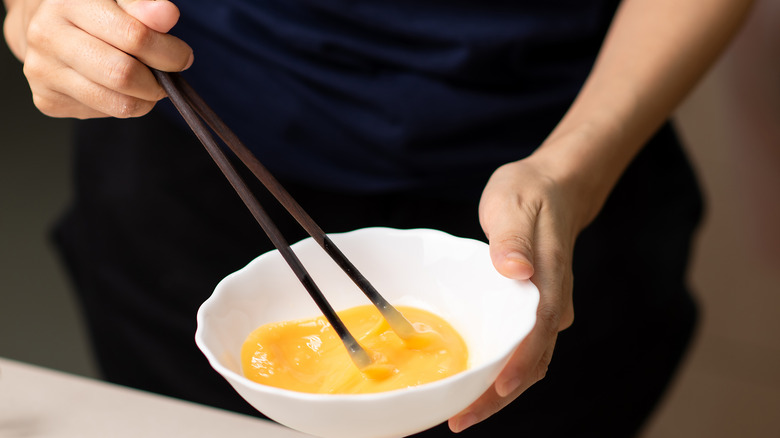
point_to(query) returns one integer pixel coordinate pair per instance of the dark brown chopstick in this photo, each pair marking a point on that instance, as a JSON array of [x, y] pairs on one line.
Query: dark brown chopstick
[[394, 318], [193, 109]]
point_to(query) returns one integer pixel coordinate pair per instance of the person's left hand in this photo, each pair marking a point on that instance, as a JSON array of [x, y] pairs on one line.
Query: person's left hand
[[531, 218]]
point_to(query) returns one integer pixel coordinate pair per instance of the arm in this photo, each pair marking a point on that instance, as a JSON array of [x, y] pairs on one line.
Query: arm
[[532, 210], [88, 58]]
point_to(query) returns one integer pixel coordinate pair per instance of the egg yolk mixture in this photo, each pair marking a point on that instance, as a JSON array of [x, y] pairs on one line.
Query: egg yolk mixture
[[308, 356]]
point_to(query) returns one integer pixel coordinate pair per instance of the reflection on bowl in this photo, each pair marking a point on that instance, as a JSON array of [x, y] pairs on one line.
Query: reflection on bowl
[[450, 276]]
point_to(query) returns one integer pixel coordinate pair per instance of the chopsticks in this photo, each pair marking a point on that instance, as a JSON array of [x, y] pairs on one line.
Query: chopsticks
[[195, 112]]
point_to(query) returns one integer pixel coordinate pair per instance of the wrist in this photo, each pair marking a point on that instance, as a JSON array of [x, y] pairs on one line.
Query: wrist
[[586, 158]]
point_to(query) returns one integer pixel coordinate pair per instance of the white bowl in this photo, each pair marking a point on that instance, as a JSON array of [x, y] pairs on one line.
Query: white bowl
[[450, 276]]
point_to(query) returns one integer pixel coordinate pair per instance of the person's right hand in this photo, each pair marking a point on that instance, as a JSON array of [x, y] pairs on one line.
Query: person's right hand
[[89, 58]]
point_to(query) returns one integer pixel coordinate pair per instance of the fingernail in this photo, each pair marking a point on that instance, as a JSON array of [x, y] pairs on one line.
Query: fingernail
[[517, 266], [519, 258], [508, 387], [464, 422]]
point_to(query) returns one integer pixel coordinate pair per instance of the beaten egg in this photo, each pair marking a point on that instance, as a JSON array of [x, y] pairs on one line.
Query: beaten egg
[[308, 356]]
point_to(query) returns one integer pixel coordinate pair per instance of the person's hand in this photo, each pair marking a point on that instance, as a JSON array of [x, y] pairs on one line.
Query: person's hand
[[89, 58], [531, 218], [532, 210]]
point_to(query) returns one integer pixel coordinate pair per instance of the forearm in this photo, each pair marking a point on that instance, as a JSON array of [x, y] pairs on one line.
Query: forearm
[[654, 53]]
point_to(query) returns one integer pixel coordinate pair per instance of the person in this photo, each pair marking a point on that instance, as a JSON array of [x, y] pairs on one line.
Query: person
[[532, 125]]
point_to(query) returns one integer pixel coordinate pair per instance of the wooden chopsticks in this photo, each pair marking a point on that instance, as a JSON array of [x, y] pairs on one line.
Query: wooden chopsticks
[[195, 112]]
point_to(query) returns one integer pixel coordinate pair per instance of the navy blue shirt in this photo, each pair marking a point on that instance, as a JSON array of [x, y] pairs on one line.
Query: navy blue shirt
[[378, 96]]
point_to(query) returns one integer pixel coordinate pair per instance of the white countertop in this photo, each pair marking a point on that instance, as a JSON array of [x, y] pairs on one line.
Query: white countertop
[[37, 402]]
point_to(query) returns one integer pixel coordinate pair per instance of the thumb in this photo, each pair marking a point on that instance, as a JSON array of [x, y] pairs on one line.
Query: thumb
[[159, 15], [511, 233]]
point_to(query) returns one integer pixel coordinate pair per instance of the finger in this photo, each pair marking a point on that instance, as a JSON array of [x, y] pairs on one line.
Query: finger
[[528, 364], [105, 100], [44, 73], [530, 361], [94, 96], [106, 21], [492, 401], [554, 313], [159, 15], [510, 229], [511, 242], [554, 276], [55, 104], [551, 250], [48, 101], [106, 65]]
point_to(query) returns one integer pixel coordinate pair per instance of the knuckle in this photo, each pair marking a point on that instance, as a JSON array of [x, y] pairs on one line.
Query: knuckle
[[120, 74], [49, 14], [495, 406], [40, 72], [30, 68], [541, 371], [47, 106], [543, 366], [137, 36], [548, 320], [558, 256], [518, 241], [37, 33], [43, 104]]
